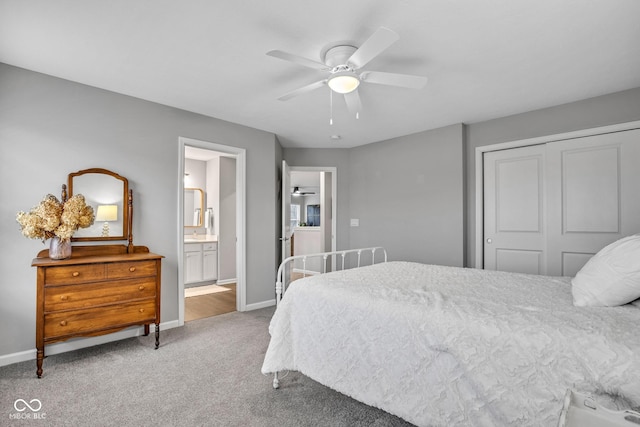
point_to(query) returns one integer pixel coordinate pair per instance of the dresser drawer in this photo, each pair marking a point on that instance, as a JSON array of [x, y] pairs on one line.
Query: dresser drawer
[[121, 270], [91, 294], [74, 274], [60, 324]]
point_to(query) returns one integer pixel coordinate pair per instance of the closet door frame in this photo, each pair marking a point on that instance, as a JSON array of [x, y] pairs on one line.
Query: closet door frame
[[479, 163]]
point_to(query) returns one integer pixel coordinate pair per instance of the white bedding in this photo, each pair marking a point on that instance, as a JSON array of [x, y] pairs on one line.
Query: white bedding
[[449, 346]]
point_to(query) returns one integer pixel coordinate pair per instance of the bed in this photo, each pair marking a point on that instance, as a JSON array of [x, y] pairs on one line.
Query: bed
[[447, 346]]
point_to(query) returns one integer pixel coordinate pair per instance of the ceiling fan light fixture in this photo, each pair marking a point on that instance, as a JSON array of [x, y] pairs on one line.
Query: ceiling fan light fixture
[[344, 82]]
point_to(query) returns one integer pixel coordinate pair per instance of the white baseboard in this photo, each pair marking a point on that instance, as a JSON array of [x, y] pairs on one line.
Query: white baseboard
[[10, 359], [78, 343], [226, 281], [260, 305]]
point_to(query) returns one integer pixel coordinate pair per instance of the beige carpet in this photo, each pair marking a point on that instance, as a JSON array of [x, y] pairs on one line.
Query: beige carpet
[[204, 290], [205, 373]]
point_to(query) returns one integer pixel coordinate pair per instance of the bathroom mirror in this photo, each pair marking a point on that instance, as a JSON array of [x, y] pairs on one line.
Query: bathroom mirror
[[193, 207], [107, 193]]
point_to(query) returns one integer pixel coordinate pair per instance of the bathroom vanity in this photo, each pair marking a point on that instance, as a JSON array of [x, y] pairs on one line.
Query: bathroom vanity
[[200, 259]]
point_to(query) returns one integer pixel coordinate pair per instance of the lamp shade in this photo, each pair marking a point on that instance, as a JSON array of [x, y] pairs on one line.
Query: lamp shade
[[343, 82], [107, 213]]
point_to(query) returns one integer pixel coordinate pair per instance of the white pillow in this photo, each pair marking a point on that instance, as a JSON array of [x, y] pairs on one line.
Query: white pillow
[[611, 277]]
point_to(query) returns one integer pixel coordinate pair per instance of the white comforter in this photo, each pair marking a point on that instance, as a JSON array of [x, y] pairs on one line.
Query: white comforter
[[450, 346]]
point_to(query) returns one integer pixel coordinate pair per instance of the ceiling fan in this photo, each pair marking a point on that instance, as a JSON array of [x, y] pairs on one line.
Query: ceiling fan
[[296, 192], [344, 64]]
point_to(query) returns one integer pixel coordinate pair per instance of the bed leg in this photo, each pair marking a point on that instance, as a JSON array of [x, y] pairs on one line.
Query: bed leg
[[276, 383]]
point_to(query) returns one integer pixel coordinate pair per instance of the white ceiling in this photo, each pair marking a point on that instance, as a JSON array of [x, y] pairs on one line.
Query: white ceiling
[[484, 59]]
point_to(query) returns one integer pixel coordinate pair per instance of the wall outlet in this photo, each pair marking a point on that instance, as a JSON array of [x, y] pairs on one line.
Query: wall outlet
[[355, 222]]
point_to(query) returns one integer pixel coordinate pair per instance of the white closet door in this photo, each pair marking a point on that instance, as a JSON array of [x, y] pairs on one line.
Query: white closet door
[[594, 198], [549, 208], [514, 210]]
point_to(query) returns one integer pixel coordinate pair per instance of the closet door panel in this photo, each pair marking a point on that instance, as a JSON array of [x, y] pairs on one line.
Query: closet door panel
[[514, 210], [592, 196], [590, 190]]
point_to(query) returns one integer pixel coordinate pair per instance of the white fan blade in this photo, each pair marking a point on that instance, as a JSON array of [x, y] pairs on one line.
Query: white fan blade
[[372, 47], [303, 89], [392, 79], [353, 102], [298, 60]]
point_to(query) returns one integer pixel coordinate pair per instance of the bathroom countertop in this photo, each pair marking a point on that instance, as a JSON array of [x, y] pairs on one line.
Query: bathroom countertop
[[201, 239]]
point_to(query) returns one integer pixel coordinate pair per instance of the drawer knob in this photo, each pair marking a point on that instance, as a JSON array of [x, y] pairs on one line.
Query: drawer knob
[[142, 310], [63, 323], [75, 274], [141, 288], [132, 269], [64, 297]]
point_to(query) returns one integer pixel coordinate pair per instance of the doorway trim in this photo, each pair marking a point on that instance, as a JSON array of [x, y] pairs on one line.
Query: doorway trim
[[334, 195], [241, 266], [479, 217]]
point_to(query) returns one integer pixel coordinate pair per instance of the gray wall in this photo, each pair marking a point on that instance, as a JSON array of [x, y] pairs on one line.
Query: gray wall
[[407, 193], [360, 197], [604, 110], [50, 127]]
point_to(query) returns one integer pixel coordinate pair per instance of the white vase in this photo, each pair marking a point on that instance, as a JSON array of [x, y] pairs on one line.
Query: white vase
[[59, 249]]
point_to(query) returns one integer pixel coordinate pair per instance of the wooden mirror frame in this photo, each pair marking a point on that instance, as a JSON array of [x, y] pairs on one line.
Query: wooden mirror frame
[[202, 207], [127, 205]]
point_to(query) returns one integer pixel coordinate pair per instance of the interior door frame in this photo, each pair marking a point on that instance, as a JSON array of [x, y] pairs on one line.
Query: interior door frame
[[285, 233], [241, 266], [479, 163], [334, 195]]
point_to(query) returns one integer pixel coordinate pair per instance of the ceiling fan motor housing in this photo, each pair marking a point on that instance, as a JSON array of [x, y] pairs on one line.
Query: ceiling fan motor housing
[[338, 56]]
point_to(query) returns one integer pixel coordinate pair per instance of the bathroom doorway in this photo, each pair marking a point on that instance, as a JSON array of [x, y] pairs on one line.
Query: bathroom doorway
[[211, 230]]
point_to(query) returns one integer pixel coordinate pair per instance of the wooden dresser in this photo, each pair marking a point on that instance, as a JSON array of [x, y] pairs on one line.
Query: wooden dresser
[[99, 290]]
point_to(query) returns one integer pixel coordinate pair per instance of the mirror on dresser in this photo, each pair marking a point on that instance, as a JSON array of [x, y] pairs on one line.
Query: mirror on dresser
[[107, 193], [193, 207]]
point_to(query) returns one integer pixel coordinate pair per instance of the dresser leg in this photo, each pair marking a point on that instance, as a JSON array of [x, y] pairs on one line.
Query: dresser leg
[[39, 359], [146, 329], [157, 335]]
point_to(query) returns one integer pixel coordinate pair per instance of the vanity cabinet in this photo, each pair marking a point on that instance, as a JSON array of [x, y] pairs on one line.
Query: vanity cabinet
[[99, 290], [192, 263], [210, 261], [200, 262]]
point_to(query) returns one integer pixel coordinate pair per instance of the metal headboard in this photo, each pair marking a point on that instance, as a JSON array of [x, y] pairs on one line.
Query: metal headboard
[[324, 256]]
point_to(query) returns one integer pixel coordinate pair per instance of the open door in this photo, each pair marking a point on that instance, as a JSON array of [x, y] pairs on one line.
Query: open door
[[285, 238]]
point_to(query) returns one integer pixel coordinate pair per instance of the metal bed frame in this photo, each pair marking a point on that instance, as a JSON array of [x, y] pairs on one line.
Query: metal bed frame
[[280, 279]]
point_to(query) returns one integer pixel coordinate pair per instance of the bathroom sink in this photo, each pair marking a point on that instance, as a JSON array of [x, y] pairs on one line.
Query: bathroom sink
[[209, 238]]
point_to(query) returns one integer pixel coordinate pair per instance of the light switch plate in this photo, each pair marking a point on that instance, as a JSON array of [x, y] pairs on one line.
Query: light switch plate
[[355, 222]]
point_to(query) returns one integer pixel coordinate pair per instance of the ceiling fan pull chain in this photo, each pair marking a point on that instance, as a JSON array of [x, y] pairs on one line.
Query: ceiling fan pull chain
[[330, 107]]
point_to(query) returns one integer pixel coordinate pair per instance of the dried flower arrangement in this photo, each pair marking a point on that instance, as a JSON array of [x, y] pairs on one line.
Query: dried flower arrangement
[[51, 218]]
